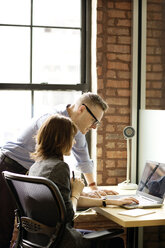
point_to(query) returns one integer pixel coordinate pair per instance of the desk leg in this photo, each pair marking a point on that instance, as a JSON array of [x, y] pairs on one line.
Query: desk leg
[[132, 237]]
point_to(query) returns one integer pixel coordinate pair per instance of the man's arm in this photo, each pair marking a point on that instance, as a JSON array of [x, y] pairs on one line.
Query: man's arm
[[91, 181]]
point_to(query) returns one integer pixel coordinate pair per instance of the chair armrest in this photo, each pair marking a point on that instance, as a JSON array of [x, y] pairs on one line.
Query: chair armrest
[[108, 233]]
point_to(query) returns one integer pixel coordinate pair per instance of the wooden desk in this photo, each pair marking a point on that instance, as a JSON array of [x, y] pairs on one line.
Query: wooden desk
[[132, 223], [154, 219], [129, 223]]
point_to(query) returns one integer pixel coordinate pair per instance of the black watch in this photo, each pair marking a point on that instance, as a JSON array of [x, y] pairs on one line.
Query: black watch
[[104, 202]]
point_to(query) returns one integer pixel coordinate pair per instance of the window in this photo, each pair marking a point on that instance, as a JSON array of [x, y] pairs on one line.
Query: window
[[45, 58]]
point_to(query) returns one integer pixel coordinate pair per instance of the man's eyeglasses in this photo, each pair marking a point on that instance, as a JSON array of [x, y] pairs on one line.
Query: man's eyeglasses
[[96, 122]]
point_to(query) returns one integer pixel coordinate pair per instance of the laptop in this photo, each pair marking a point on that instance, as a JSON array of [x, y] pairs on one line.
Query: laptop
[[151, 188]]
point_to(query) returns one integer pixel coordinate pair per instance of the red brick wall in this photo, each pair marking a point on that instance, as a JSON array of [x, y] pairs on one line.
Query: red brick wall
[[114, 20], [155, 60]]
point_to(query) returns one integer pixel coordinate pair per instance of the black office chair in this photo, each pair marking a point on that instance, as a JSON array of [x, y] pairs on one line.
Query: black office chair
[[41, 212]]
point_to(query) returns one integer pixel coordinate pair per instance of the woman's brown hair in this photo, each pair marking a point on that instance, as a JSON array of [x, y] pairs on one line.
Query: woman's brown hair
[[54, 138]]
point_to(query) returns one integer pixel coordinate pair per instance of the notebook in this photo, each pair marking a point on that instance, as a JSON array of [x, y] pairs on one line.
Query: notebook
[[136, 212], [151, 188]]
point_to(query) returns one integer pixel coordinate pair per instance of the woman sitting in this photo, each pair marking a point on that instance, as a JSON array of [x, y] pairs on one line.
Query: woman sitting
[[54, 140]]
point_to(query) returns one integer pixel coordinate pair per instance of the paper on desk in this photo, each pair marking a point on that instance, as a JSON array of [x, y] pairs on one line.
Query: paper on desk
[[136, 212]]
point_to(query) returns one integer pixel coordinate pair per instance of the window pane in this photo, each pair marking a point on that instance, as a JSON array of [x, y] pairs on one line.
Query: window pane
[[45, 100], [56, 56], [57, 13], [14, 55], [15, 12], [15, 113]]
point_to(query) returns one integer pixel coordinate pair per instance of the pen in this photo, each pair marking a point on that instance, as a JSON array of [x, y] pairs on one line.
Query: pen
[[73, 175]]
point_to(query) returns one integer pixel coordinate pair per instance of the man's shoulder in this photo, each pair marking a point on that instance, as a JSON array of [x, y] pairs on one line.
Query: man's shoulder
[[58, 109]]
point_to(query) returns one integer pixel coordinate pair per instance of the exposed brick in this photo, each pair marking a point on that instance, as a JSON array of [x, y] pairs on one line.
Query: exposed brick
[[110, 145], [116, 172], [100, 83], [123, 92], [99, 57], [111, 56], [120, 179], [118, 119], [120, 127], [153, 42], [112, 39], [149, 67], [110, 4], [111, 110], [154, 93], [99, 179], [118, 48], [120, 145], [111, 181], [154, 16], [154, 7], [154, 76], [124, 57], [99, 42], [99, 152], [111, 92], [118, 101], [157, 68], [99, 28], [99, 70], [122, 163], [123, 111], [99, 15], [154, 85], [123, 5], [99, 165], [110, 128], [99, 139], [124, 40], [111, 74], [123, 23], [124, 74], [117, 65], [110, 163], [153, 59], [116, 13], [117, 84], [116, 154], [113, 136]]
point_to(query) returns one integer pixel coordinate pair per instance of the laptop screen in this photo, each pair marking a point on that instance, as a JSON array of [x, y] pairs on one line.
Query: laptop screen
[[153, 179]]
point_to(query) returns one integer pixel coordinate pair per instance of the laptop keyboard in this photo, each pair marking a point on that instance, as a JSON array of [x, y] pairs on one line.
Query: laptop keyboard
[[143, 201]]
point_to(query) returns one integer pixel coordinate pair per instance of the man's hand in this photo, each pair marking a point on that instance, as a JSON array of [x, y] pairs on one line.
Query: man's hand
[[108, 192], [91, 194], [95, 192], [98, 193]]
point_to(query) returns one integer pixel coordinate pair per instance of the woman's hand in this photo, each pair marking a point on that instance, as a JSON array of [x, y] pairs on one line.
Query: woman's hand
[[77, 186], [122, 201]]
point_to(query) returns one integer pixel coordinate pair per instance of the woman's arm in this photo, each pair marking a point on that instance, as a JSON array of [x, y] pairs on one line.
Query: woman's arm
[[98, 202], [77, 186]]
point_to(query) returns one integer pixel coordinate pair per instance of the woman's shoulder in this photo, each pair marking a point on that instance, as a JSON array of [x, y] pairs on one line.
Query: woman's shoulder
[[48, 166], [55, 162]]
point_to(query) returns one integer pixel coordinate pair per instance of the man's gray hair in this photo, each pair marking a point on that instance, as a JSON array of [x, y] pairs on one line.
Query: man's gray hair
[[90, 98]]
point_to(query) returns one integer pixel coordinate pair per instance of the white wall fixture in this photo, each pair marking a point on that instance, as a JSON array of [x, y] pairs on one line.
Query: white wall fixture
[[129, 133]]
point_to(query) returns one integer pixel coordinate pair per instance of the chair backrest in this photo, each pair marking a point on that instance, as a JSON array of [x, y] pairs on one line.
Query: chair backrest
[[41, 210]]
